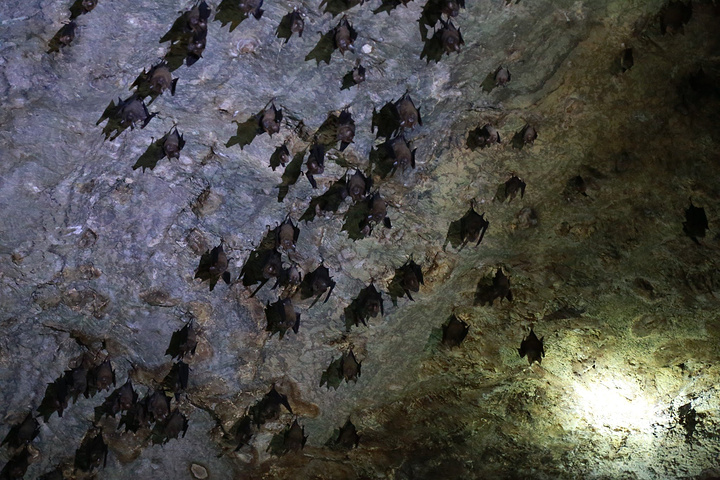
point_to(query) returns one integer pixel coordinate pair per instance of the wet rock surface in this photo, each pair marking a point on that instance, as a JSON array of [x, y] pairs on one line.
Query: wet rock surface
[[98, 260]]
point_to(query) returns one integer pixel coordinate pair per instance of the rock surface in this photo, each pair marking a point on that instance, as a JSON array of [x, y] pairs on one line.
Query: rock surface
[[99, 258]]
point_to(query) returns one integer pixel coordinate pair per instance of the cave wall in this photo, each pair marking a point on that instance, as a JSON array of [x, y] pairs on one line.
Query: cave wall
[[98, 257]]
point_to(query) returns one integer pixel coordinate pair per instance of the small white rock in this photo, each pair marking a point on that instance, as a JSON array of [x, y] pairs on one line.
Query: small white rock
[[367, 48], [198, 471]]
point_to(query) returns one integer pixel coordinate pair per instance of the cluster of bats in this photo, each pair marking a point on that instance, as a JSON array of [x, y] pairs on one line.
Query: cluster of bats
[[272, 259]]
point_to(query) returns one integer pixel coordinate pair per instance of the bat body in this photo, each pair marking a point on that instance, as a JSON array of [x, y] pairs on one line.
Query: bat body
[[450, 37], [407, 112], [345, 130], [297, 24], [251, 7], [529, 135], [316, 283], [282, 316], [173, 143], [315, 163], [344, 36], [350, 367], [502, 76], [132, 111], [270, 120], [196, 18], [287, 235], [160, 79], [532, 347], [347, 437], [358, 186], [454, 332], [483, 137], [268, 408], [92, 453], [401, 154], [695, 223], [158, 406], [183, 341], [67, 34], [294, 437], [213, 266], [22, 433], [103, 375], [377, 213], [513, 186]]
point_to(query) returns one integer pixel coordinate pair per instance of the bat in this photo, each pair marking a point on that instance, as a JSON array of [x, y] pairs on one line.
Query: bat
[[291, 23], [316, 283], [213, 266], [446, 40], [136, 417], [294, 437], [100, 377], [81, 7], [358, 186], [348, 437], [532, 347], [393, 154], [17, 466], [271, 268], [183, 341], [344, 36], [695, 223], [282, 316], [502, 76], [291, 174], [433, 11], [354, 77], [674, 16], [168, 146], [454, 332], [155, 82], [688, 419], [315, 163], [195, 47], [177, 379], [329, 201], [367, 304], [23, 433], [241, 432], [121, 400], [408, 278], [470, 228], [526, 136], [157, 406], [196, 18], [127, 113], [626, 60], [482, 137], [376, 214], [55, 399], [281, 156], [63, 37], [512, 187], [575, 185], [264, 262], [287, 234], [266, 121], [407, 112], [92, 452], [289, 277], [270, 120], [76, 380], [345, 129], [500, 288], [268, 408], [350, 367], [175, 424]]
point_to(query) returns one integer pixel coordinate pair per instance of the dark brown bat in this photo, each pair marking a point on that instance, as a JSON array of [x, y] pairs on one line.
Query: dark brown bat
[[263, 264], [67, 34], [22, 433], [132, 111], [483, 137], [89, 5], [183, 341], [695, 223], [241, 432], [368, 303], [177, 379], [136, 417], [282, 316], [350, 367], [344, 36], [408, 278], [358, 73], [377, 213], [294, 437], [175, 424], [345, 129], [454, 332], [272, 266], [358, 186], [473, 227], [251, 7], [297, 24], [121, 400], [268, 408], [289, 277], [500, 288], [315, 163], [576, 185], [287, 234], [316, 283], [529, 134], [450, 37], [213, 266], [407, 112], [502, 76], [532, 347], [160, 79], [626, 60], [17, 466], [270, 119], [674, 16], [55, 399], [347, 437], [81, 7], [402, 156], [513, 186], [76, 380], [102, 376], [196, 47], [174, 142], [92, 452], [280, 157], [196, 19], [158, 406], [127, 396]]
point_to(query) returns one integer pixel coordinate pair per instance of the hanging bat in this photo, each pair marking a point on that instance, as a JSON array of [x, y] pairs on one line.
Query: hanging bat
[[483, 137], [177, 379], [121, 400], [183, 341], [282, 316], [350, 367], [316, 283], [294, 437], [502, 76], [81, 7], [532, 347], [576, 185], [433, 11], [157, 405], [526, 136], [264, 262], [92, 452], [241, 432], [512, 187], [344, 36], [136, 417], [55, 399], [23, 433], [270, 268], [155, 82], [445, 40], [100, 377], [376, 214], [287, 234], [268, 408], [175, 424], [500, 288], [63, 37], [345, 129], [408, 278], [17, 466], [195, 47], [348, 437], [695, 223], [367, 304], [196, 19], [291, 23], [400, 154], [127, 113], [76, 380], [354, 77], [358, 186], [213, 266], [329, 201], [168, 146], [281, 156], [315, 163], [407, 112], [626, 60], [674, 16], [270, 119], [454, 332]]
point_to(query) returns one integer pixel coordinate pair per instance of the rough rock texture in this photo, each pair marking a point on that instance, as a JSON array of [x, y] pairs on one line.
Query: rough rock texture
[[97, 257]]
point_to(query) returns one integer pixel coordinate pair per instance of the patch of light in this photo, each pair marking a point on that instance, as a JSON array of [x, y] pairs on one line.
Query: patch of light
[[615, 403]]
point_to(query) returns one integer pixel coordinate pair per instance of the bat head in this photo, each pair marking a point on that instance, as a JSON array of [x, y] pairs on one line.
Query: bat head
[[273, 265]]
